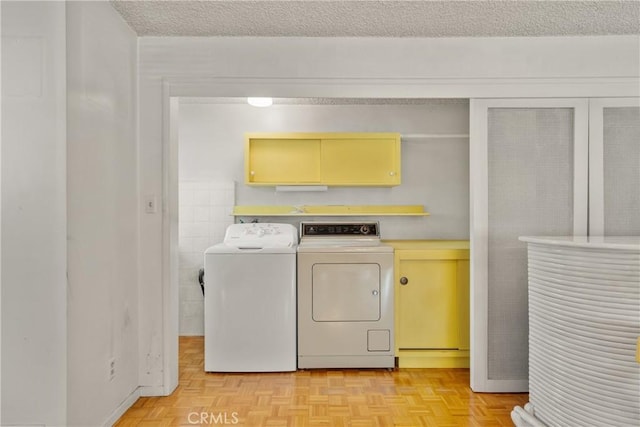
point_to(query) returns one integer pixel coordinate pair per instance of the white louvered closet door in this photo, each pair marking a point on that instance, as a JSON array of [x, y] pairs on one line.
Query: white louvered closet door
[[614, 166], [529, 176]]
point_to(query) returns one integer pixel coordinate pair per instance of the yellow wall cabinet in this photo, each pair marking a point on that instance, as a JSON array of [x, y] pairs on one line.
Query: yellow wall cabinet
[[432, 303], [347, 159]]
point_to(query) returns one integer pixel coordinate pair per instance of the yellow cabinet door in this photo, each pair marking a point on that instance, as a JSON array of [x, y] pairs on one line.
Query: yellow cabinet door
[[464, 304], [361, 161], [428, 305], [272, 161]]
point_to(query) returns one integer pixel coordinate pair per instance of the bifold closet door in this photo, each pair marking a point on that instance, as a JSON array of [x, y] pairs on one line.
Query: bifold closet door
[[614, 166], [529, 176]]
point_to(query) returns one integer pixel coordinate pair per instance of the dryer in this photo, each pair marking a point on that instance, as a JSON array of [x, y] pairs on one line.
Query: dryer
[[345, 296]]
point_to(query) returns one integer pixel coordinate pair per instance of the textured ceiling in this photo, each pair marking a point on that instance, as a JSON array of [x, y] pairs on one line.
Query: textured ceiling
[[427, 18]]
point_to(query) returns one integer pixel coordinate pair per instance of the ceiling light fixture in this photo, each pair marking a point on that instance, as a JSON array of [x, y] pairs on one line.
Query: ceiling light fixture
[[260, 102]]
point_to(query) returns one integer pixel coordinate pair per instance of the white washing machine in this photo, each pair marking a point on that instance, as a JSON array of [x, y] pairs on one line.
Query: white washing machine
[[250, 300], [345, 297]]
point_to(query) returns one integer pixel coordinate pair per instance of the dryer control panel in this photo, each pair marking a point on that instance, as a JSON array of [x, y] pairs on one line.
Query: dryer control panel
[[337, 229]]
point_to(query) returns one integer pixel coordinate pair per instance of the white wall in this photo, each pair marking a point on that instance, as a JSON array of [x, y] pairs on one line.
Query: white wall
[[205, 209], [0, 234], [34, 221], [102, 213], [334, 67]]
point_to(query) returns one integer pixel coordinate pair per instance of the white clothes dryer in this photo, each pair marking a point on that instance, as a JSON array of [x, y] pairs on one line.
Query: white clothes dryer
[[250, 300], [345, 297]]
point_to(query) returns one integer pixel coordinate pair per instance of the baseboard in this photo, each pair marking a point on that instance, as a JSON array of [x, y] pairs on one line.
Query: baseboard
[[433, 358], [130, 400], [147, 391], [122, 408]]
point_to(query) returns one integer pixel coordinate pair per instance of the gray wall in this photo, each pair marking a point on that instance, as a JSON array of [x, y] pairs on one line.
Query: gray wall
[[435, 173], [34, 241], [102, 213], [69, 214]]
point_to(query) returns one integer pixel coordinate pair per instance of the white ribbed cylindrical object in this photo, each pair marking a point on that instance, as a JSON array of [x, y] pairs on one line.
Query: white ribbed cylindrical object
[[584, 320]]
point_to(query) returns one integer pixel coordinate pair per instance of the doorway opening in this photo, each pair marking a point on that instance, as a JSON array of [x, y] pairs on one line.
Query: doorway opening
[[205, 176]]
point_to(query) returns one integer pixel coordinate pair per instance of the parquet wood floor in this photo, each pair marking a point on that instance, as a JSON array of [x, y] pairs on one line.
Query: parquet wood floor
[[320, 398]]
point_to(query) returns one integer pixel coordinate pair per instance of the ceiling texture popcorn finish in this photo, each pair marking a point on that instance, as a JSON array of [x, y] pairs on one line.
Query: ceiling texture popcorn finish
[[390, 18]]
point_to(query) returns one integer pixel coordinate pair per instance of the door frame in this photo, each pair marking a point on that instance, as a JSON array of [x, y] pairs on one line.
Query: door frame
[[169, 89], [596, 158]]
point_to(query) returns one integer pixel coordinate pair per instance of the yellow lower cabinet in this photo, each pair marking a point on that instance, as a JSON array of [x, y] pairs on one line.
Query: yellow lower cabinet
[[427, 301], [464, 304], [432, 303]]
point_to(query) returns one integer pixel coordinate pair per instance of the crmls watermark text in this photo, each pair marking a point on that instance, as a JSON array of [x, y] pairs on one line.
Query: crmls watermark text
[[213, 418]]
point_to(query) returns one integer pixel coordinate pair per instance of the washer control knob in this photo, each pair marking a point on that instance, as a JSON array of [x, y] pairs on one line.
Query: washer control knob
[[404, 280], [364, 229]]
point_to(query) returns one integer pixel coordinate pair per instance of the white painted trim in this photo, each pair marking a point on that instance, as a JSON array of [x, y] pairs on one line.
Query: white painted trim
[[596, 168], [152, 391], [170, 285], [581, 167], [351, 88], [1, 237], [478, 158], [596, 158], [122, 408], [479, 229], [434, 88]]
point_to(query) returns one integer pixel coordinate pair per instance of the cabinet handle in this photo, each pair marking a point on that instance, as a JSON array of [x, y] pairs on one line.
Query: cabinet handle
[[404, 280]]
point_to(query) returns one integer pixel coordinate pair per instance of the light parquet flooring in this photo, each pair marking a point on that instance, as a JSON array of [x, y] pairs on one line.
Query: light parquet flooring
[[320, 398]]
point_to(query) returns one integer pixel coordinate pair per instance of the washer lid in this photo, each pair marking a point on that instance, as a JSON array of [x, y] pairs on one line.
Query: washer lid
[[261, 235]]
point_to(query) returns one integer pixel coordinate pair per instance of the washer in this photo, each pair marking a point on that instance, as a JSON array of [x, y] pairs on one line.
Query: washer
[[250, 300], [345, 296]]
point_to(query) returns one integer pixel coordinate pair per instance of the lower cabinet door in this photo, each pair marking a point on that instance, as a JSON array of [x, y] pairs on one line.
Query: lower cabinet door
[[428, 305]]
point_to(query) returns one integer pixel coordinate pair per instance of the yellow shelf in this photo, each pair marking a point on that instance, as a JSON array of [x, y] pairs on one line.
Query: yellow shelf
[[331, 210]]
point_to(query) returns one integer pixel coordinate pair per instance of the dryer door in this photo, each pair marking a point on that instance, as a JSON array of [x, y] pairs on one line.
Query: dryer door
[[346, 292]]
